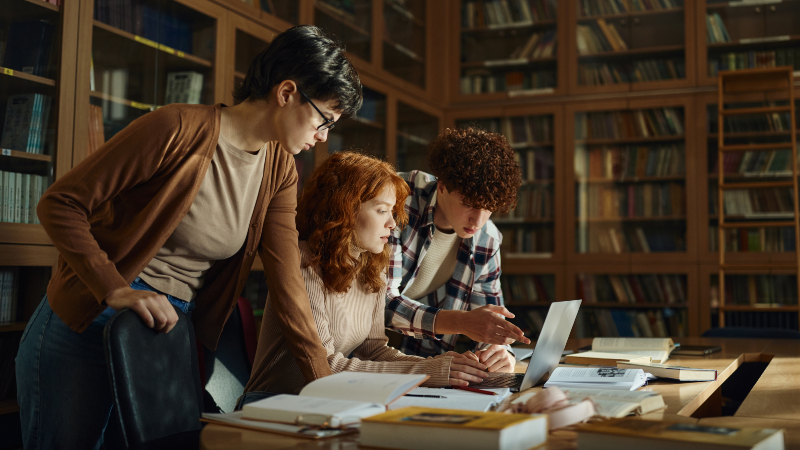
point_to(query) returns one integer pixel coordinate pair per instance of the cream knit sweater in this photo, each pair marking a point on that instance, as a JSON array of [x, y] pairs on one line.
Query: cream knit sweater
[[351, 329]]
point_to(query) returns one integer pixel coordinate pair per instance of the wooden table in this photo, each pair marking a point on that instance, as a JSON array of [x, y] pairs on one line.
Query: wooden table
[[774, 402]]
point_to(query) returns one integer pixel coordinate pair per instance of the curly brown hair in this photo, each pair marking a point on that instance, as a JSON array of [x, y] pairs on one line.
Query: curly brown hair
[[326, 217], [479, 165]]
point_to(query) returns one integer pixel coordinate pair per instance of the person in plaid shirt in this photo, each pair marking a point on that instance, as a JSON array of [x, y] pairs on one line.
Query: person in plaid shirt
[[444, 271]]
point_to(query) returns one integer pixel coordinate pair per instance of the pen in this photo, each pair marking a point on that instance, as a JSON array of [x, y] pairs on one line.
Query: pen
[[426, 396], [478, 391]]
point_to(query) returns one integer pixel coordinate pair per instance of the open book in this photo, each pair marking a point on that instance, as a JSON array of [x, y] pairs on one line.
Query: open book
[[342, 399], [618, 403], [597, 378], [658, 349]]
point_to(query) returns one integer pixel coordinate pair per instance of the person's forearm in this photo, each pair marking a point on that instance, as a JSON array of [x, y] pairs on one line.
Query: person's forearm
[[448, 322]]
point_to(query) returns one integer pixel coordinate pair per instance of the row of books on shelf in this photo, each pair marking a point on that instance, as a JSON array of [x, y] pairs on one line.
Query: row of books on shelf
[[636, 200], [613, 322], [757, 319], [19, 195], [144, 20], [539, 45], [638, 289], [598, 74], [532, 241], [764, 290], [521, 289], [773, 239], [506, 13], [607, 7], [756, 164], [629, 161], [481, 81], [9, 280], [25, 124], [775, 121], [754, 59], [536, 164], [534, 202], [9, 346], [523, 131], [617, 240], [599, 37], [715, 29], [629, 124], [755, 203], [28, 46]]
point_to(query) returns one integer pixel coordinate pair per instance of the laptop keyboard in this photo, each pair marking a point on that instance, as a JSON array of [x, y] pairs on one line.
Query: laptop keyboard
[[501, 380]]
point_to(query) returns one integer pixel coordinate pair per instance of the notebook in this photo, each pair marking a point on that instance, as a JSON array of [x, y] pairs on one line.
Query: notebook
[[546, 355]]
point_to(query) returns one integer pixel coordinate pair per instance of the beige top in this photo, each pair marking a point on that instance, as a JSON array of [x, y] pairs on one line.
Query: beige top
[[351, 328], [215, 227], [437, 265]]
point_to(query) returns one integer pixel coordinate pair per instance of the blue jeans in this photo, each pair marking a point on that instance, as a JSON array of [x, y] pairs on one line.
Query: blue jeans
[[63, 388]]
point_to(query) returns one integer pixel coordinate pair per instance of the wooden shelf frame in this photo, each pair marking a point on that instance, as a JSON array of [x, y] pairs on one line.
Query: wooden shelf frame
[[684, 102]]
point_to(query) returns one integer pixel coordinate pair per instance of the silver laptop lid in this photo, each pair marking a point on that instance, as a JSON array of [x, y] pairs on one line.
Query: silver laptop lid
[[551, 342]]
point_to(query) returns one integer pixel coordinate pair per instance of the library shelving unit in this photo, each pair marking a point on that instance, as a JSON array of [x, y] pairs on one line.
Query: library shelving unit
[[758, 200], [143, 57], [35, 135], [746, 35], [350, 21], [632, 177], [415, 130], [404, 40], [630, 46], [364, 132], [509, 49], [643, 301]]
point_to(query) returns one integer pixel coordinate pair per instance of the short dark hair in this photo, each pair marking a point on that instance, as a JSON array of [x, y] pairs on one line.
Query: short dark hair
[[317, 63], [477, 164]]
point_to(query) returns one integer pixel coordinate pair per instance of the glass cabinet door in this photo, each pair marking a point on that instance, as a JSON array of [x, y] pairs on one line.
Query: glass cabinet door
[[366, 131], [29, 73], [350, 21], [404, 39], [415, 130], [288, 10], [630, 181], [147, 54]]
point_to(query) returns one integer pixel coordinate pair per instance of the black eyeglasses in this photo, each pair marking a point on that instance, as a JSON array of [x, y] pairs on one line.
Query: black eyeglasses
[[328, 123]]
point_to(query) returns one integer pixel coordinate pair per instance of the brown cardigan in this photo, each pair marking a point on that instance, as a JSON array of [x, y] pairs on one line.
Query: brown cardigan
[[110, 214]]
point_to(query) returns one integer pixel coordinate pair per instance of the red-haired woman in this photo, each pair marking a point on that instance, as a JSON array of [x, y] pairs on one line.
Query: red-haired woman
[[345, 215]]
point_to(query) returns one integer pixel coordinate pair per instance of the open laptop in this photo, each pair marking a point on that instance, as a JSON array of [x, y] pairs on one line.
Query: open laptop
[[546, 355]]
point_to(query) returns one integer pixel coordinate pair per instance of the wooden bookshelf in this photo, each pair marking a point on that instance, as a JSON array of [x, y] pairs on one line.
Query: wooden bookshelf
[[613, 50], [405, 40], [500, 56], [415, 130]]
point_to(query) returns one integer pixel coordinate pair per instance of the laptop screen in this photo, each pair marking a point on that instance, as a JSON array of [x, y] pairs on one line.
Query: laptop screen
[[551, 342]]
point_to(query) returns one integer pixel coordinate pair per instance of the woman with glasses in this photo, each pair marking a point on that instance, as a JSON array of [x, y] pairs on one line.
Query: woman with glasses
[[347, 211], [170, 213]]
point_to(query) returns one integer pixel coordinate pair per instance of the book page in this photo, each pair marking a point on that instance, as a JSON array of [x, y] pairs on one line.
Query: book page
[[594, 375], [621, 345], [380, 388]]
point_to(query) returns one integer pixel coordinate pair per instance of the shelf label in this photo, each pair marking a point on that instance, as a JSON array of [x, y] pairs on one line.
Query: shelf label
[[164, 48], [764, 39], [6, 152], [505, 62], [144, 106], [8, 71], [144, 41]]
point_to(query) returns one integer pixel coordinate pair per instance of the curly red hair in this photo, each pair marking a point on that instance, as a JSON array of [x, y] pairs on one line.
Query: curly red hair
[[479, 165], [326, 217]]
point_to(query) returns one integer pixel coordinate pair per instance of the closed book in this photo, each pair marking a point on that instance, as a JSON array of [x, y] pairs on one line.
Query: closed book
[[604, 359], [656, 435], [658, 349], [679, 373], [696, 350], [436, 429]]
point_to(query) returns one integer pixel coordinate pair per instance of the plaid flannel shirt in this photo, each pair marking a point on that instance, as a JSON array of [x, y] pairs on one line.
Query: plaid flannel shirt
[[475, 281]]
